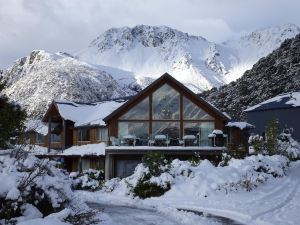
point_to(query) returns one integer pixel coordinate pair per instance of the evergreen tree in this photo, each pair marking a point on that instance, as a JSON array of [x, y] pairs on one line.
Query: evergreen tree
[[12, 119], [271, 137]]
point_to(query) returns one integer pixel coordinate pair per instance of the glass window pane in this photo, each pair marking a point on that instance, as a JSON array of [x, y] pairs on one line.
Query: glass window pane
[[86, 164], [192, 112], [83, 135], [202, 128], [138, 130], [39, 138], [170, 129], [102, 134], [138, 112], [55, 137], [165, 103]]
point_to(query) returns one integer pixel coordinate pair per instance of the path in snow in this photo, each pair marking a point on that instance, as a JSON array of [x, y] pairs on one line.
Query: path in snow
[[141, 216], [122, 215], [287, 210]]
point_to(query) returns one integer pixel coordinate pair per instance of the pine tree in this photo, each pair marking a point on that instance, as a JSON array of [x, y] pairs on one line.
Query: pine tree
[[271, 137], [12, 119]]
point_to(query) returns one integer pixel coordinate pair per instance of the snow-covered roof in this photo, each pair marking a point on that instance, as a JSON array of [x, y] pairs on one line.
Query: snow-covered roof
[[37, 126], [87, 114], [90, 149], [287, 100], [240, 125]]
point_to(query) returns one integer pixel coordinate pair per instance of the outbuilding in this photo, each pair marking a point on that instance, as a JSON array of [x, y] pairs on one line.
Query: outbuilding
[[285, 108]]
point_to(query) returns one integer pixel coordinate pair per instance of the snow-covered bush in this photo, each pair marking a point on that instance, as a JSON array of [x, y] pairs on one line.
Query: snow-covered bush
[[183, 179], [288, 146], [87, 180], [283, 144], [154, 164], [34, 188]]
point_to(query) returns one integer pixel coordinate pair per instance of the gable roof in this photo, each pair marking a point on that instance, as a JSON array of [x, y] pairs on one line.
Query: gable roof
[[84, 114], [164, 79], [286, 100]]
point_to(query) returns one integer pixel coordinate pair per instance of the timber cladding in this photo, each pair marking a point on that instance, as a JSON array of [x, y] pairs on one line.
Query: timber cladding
[[112, 120], [54, 145], [92, 136]]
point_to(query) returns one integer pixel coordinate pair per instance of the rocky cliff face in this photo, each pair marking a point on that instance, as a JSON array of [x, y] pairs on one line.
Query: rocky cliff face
[[277, 73], [34, 81]]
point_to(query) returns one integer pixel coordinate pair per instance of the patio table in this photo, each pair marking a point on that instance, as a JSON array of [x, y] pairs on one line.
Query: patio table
[[160, 139], [129, 140], [189, 140]]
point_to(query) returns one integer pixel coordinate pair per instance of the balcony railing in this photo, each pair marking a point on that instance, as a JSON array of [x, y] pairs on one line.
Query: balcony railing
[[162, 140]]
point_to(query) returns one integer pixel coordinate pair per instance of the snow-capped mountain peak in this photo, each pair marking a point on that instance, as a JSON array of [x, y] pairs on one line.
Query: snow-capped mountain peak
[[149, 51]]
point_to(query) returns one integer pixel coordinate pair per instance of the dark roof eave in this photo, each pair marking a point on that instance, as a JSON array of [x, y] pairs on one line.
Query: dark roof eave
[[259, 110]]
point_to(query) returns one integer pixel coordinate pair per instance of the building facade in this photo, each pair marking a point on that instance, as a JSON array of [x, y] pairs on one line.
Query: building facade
[[166, 117], [285, 108]]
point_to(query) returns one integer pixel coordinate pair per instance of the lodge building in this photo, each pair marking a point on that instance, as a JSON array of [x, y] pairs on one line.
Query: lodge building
[[165, 116]]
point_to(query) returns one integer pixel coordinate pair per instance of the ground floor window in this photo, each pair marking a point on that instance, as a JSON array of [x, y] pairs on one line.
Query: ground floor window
[[83, 134], [126, 167], [85, 164], [55, 137], [39, 138], [102, 134]]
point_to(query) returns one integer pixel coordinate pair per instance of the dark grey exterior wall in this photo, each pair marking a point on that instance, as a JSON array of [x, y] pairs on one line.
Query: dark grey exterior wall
[[289, 117]]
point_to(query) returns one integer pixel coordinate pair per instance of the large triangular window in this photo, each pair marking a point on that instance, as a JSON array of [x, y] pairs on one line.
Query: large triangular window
[[165, 103], [138, 112], [193, 112]]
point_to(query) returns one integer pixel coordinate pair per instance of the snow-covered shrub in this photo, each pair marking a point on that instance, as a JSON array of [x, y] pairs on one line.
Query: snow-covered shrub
[[182, 179], [257, 142], [156, 162], [258, 170], [225, 159], [34, 188], [288, 146], [87, 180], [154, 165], [143, 182], [268, 145], [283, 144]]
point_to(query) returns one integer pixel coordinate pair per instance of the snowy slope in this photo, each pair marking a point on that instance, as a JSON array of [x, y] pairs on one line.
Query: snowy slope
[[149, 51], [250, 48], [34, 81]]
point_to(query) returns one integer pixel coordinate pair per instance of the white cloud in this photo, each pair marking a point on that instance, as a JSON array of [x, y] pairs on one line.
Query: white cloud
[[69, 25]]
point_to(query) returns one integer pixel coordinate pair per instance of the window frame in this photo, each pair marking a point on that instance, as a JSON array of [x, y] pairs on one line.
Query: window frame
[[181, 118], [79, 134], [99, 134]]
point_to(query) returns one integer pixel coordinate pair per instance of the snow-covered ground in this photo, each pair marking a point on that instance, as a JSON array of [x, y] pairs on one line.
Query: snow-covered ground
[[275, 201]]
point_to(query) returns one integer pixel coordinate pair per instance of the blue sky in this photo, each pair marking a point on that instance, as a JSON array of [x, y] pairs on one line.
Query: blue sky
[[70, 25]]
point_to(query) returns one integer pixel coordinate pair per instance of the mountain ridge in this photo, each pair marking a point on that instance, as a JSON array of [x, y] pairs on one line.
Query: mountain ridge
[[277, 73], [149, 51], [193, 60]]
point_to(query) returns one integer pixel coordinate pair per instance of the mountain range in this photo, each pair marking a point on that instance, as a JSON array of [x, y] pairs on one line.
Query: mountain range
[[149, 51], [123, 60]]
